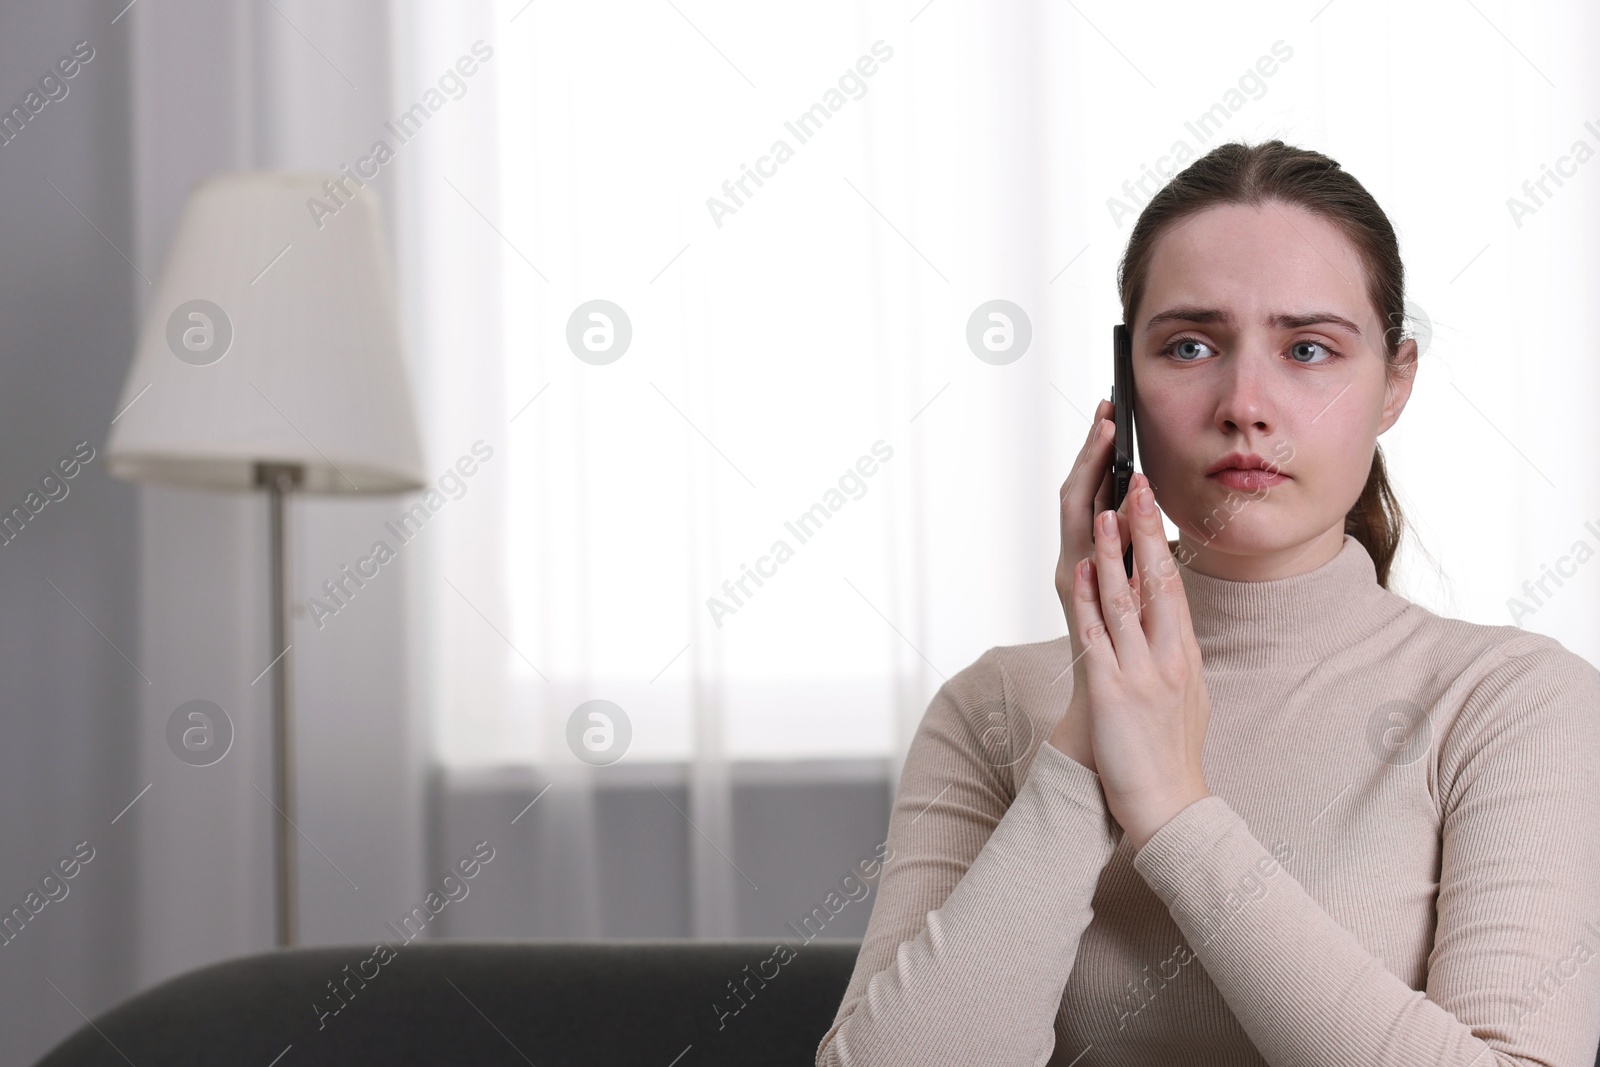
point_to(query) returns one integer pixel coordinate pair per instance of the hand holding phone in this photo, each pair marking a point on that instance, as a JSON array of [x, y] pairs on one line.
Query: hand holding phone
[[1087, 492]]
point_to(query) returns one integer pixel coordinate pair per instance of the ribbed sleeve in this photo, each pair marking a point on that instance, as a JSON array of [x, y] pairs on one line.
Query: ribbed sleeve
[[982, 900], [1514, 974]]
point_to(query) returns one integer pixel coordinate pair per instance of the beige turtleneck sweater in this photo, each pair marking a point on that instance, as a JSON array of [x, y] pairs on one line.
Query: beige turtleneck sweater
[[1399, 864]]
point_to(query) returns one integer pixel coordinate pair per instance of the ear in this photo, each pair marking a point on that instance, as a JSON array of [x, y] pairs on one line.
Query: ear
[[1398, 391]]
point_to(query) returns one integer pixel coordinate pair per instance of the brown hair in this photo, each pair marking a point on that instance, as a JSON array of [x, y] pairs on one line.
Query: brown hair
[[1252, 175]]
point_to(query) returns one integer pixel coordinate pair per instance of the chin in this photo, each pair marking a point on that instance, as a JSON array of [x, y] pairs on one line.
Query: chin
[[1242, 534]]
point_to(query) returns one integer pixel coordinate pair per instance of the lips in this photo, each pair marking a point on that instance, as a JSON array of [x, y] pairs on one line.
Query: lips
[[1246, 472], [1242, 461], [1247, 480]]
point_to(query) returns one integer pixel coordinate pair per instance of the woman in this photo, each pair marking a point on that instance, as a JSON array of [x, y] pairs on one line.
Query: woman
[[1383, 849]]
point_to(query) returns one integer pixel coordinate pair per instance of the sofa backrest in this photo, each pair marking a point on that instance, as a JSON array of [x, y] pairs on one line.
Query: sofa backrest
[[485, 1003]]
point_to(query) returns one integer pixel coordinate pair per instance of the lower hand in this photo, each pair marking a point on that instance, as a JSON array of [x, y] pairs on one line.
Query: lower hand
[[1145, 693]]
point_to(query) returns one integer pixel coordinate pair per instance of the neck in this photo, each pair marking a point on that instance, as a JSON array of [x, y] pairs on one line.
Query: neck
[[1297, 559], [1297, 618]]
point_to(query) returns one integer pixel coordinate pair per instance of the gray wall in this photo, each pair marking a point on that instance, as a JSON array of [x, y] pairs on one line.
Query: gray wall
[[69, 698], [798, 828]]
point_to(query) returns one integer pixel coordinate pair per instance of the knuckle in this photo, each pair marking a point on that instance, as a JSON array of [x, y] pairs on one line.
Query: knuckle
[[1164, 580]]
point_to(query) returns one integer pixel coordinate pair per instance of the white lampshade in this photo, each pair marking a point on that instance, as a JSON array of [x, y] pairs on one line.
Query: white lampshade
[[273, 337]]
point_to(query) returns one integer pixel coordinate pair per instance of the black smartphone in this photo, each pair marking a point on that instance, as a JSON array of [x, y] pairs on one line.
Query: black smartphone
[[1122, 419]]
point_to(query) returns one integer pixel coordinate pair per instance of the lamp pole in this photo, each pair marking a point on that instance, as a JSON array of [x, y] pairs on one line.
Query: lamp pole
[[279, 479]]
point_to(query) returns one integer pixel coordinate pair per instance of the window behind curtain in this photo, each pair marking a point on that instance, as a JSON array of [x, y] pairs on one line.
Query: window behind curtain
[[984, 159]]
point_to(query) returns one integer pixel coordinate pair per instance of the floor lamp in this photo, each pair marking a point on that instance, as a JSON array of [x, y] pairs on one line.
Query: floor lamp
[[270, 360]]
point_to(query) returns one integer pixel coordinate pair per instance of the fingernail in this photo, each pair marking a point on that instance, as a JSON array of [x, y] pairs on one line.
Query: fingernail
[[1108, 522], [1144, 500]]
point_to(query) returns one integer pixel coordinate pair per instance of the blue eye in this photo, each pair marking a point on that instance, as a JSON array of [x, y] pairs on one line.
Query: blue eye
[[1315, 344], [1176, 341]]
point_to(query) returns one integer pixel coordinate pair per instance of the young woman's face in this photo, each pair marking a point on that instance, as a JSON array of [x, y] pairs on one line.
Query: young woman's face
[[1255, 335]]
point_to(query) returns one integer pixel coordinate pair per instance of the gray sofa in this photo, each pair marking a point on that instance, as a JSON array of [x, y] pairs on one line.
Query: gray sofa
[[486, 1003], [667, 1003]]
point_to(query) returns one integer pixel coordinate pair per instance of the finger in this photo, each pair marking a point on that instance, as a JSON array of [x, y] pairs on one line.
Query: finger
[[1073, 510], [1102, 496], [1125, 538], [1097, 653], [1085, 474], [1079, 492], [1161, 589], [1117, 604], [1100, 412]]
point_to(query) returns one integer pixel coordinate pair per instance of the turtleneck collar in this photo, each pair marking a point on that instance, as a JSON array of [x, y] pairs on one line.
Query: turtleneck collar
[[1296, 619]]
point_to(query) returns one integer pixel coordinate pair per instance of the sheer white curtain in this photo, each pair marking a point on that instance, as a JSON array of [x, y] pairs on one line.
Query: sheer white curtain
[[819, 318]]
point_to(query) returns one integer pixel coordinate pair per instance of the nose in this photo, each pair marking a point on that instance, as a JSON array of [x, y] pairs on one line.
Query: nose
[[1244, 398]]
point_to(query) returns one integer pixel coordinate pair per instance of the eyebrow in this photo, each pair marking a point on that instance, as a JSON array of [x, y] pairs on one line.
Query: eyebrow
[[1281, 320]]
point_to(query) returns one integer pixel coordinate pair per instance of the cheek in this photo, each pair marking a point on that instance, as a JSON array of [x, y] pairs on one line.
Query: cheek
[[1342, 462], [1169, 431], [1333, 443]]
